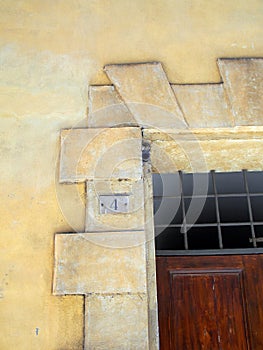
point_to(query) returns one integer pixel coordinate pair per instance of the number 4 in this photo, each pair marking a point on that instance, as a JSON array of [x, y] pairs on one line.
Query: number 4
[[114, 205]]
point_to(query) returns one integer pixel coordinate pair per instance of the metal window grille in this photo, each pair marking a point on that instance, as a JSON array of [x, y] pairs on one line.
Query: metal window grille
[[208, 212]]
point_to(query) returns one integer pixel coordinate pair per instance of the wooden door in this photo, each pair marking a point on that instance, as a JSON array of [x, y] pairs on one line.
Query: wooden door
[[210, 302]]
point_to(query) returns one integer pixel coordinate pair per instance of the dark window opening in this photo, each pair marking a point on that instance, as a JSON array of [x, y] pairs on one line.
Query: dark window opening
[[208, 211]]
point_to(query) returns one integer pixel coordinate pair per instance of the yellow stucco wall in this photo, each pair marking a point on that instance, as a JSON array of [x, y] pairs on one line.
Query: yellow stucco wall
[[50, 51]]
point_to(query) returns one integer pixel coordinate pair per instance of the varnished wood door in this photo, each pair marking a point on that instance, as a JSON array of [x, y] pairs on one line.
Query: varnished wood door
[[210, 302]]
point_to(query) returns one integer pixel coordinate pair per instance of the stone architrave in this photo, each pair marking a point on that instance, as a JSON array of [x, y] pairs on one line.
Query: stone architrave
[[204, 105], [100, 154], [107, 263], [243, 83], [147, 93], [107, 109], [190, 128], [111, 262]]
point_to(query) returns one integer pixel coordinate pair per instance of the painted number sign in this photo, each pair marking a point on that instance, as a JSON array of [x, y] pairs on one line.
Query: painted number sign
[[114, 204]]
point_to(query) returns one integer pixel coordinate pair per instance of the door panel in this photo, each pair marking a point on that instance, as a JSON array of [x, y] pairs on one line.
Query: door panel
[[210, 302]]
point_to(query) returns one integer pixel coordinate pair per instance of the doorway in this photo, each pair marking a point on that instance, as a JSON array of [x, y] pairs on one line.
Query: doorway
[[210, 302], [209, 260]]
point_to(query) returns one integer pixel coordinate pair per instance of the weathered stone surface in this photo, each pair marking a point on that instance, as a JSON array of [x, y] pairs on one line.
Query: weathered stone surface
[[236, 133], [202, 156], [116, 322], [197, 150], [100, 154], [204, 105], [150, 259], [147, 93], [132, 220], [243, 82], [112, 262], [106, 108]]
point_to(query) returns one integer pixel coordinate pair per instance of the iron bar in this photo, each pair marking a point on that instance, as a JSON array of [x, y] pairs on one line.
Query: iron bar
[[183, 210], [217, 211], [217, 222]]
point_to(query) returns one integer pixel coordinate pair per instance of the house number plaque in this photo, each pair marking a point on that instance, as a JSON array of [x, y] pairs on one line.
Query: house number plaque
[[114, 204]]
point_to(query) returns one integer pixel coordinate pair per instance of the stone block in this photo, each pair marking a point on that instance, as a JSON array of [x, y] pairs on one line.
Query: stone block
[[202, 156], [112, 262], [204, 105], [116, 322], [106, 108], [107, 153], [132, 220], [243, 82], [151, 262], [201, 150], [147, 93]]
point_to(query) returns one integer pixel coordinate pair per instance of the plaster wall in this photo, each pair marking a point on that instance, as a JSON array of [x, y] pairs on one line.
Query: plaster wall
[[50, 52]]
